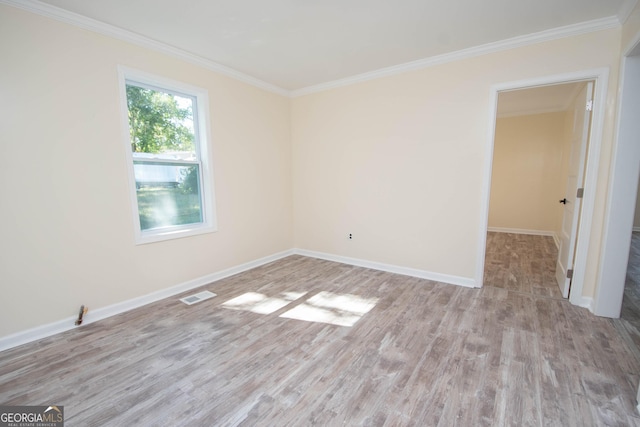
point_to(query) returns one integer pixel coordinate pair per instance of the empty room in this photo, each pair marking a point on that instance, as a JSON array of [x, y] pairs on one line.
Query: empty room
[[319, 213]]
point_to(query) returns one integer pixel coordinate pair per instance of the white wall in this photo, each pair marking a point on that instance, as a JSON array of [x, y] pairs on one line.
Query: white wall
[[67, 231]]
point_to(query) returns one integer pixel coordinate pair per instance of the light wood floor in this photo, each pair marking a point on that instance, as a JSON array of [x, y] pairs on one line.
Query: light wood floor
[[426, 354], [522, 263]]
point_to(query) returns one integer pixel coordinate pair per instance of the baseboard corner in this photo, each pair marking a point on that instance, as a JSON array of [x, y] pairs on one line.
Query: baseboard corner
[[390, 268]]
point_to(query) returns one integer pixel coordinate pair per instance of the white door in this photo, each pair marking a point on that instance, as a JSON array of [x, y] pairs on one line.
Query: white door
[[572, 203]]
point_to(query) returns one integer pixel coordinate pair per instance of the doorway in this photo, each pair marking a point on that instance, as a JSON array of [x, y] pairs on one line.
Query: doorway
[[540, 135], [600, 78]]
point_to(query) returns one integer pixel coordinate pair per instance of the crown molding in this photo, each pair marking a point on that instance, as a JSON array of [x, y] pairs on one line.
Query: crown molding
[[515, 42], [109, 30]]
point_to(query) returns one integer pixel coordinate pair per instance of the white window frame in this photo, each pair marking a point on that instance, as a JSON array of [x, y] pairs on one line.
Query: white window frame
[[203, 148]]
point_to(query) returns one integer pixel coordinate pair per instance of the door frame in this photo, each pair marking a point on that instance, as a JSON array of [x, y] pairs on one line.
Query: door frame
[[600, 76], [618, 221]]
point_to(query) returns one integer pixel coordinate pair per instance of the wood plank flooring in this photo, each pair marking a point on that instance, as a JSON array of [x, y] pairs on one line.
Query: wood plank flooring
[[427, 354], [521, 262]]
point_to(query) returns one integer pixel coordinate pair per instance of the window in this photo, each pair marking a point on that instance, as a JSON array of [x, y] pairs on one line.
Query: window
[[167, 151]]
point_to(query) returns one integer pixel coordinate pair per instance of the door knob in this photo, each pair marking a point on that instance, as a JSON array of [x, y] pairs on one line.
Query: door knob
[[564, 201]]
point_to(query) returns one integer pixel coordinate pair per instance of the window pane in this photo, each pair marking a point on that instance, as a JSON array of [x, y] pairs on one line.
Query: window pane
[[161, 124], [168, 194]]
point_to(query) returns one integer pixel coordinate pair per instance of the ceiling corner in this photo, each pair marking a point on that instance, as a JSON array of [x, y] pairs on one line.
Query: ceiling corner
[[65, 16], [625, 10]]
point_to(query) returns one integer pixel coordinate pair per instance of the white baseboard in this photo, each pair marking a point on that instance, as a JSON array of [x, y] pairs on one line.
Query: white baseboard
[[636, 228], [422, 274], [585, 302], [67, 324], [553, 234], [521, 231]]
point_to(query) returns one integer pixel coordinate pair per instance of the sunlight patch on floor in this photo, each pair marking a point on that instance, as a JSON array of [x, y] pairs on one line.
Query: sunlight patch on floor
[[334, 309], [262, 304]]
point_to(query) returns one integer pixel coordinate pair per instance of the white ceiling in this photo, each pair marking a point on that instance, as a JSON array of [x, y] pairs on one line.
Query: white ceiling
[[296, 44]]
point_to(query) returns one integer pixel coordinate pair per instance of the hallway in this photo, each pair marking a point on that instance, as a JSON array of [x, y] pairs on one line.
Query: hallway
[[522, 263]]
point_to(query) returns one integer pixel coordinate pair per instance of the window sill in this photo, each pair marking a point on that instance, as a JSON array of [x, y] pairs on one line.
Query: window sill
[[161, 235]]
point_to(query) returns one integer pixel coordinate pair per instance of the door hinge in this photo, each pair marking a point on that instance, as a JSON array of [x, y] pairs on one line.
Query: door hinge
[[570, 273], [590, 105], [580, 193]]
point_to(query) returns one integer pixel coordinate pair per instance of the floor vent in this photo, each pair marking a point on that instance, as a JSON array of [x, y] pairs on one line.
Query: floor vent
[[200, 296]]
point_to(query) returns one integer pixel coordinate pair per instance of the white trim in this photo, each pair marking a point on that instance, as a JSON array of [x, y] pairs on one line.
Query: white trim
[[486, 186], [203, 142], [521, 231], [590, 186], [556, 240], [584, 302], [109, 30], [62, 15], [67, 324], [601, 77], [405, 271], [515, 42], [636, 229]]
